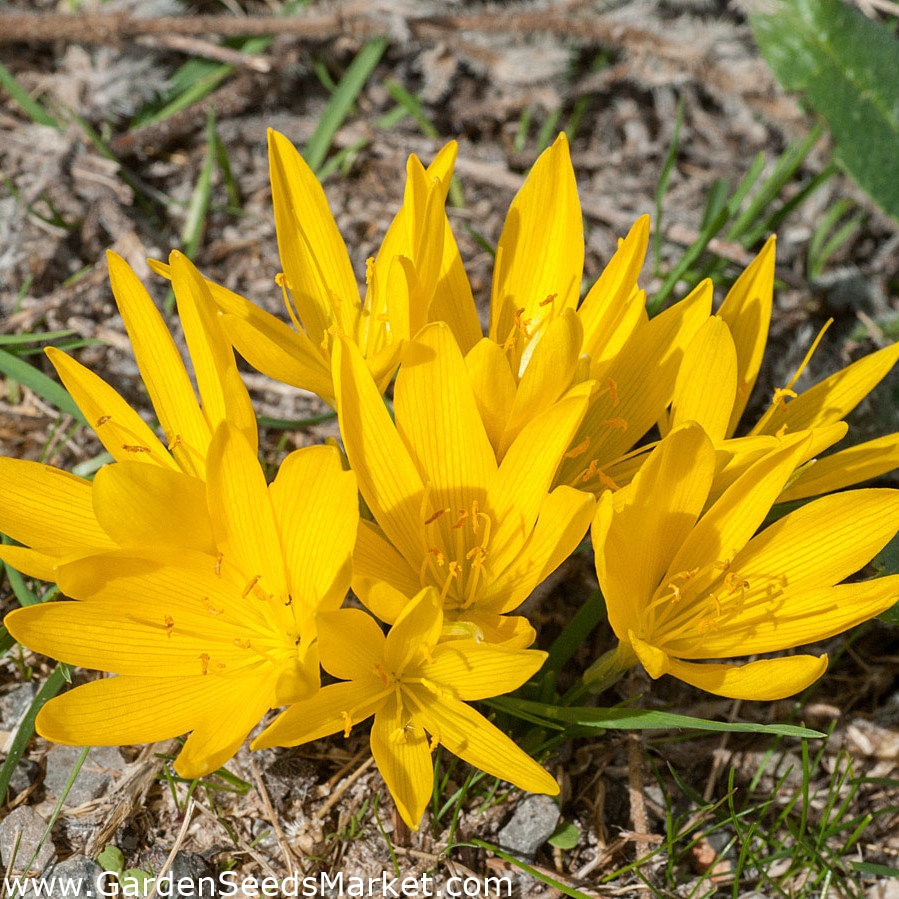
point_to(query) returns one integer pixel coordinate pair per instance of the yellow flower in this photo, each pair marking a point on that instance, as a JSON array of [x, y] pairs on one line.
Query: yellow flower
[[541, 340], [414, 685], [53, 512], [684, 586], [484, 535], [719, 372], [416, 277], [208, 641]]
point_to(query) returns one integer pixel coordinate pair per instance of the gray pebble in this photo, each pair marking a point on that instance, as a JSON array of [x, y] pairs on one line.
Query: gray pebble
[[532, 824], [15, 703], [80, 870], [21, 833], [93, 779]]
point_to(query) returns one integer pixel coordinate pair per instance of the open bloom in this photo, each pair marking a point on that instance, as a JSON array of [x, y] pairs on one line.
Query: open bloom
[[208, 639], [446, 515], [542, 339], [416, 277], [54, 513], [720, 369], [683, 586], [414, 685]]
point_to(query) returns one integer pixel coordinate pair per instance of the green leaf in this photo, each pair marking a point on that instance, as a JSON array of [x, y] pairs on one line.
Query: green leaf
[[341, 102], [35, 380], [639, 719], [846, 66], [111, 859], [565, 836]]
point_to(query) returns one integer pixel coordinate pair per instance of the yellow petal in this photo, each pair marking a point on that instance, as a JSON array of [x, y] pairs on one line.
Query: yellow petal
[[125, 710], [438, 420], [540, 255], [633, 389], [317, 512], [473, 738], [796, 618], [31, 563], [123, 433], [639, 542], [375, 560], [765, 679], [415, 632], [242, 516], [727, 526], [706, 386], [388, 478], [608, 306], [230, 715], [313, 254], [453, 302], [563, 521], [834, 397], [333, 709], [351, 643], [45, 507], [145, 642], [222, 391], [140, 505], [267, 343], [478, 671], [822, 543], [747, 311], [161, 368], [403, 757], [548, 375], [846, 468], [494, 387], [527, 471]]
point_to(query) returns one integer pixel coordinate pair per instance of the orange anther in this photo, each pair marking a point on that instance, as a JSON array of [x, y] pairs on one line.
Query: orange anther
[[548, 300], [204, 662], [578, 450], [436, 515], [130, 448], [618, 423], [169, 624], [102, 420], [463, 517], [613, 391], [241, 644]]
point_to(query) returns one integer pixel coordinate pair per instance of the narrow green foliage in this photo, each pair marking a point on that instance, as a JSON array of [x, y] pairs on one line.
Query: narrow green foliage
[[342, 101], [662, 186], [412, 105], [845, 64], [37, 113], [537, 873], [635, 719], [46, 388], [195, 223], [830, 235], [51, 687]]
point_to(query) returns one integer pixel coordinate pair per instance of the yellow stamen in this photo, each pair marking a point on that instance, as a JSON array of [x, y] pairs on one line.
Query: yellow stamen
[[250, 586], [241, 644], [204, 662], [211, 607], [169, 624], [218, 564]]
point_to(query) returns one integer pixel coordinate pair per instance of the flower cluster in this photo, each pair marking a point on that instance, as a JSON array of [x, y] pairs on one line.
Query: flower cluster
[[214, 597]]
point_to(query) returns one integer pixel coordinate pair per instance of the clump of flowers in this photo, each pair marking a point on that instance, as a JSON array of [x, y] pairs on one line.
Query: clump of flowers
[[212, 597]]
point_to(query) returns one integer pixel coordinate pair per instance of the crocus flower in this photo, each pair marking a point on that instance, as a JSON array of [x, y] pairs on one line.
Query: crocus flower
[[200, 641], [685, 586], [415, 277], [446, 515], [53, 512], [415, 686], [720, 369]]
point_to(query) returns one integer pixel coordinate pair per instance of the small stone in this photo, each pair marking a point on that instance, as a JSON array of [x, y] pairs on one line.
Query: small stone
[[15, 703], [77, 876], [93, 779], [21, 850], [23, 776], [189, 866], [531, 825]]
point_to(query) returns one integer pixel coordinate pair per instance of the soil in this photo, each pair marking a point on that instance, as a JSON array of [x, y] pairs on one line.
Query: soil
[[614, 71]]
